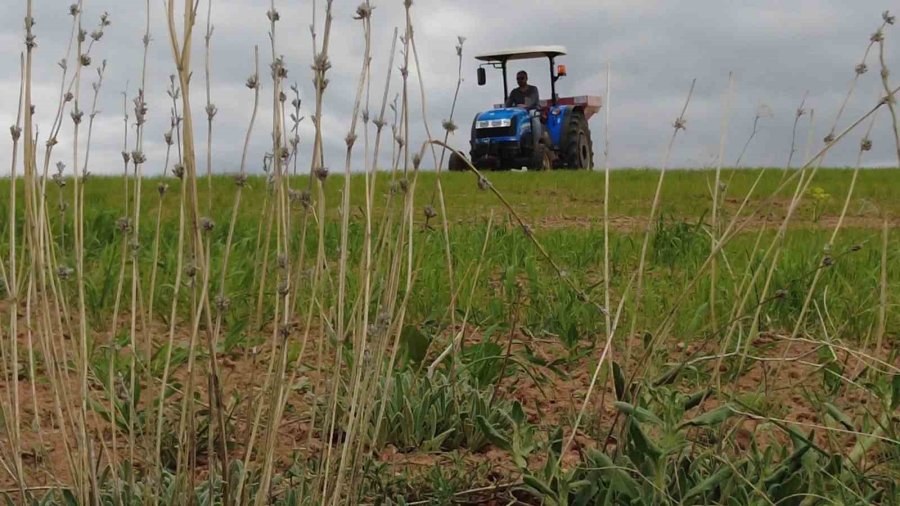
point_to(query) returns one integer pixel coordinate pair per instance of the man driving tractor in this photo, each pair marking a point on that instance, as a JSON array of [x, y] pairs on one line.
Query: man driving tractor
[[525, 96]]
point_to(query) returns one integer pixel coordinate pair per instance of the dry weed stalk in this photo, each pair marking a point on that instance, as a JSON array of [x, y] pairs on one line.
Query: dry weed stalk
[[717, 187], [678, 125], [12, 408]]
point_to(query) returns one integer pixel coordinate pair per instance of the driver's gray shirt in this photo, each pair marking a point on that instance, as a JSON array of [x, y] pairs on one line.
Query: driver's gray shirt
[[530, 97]]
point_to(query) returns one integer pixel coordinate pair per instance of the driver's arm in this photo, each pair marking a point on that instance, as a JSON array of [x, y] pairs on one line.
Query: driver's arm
[[511, 100]]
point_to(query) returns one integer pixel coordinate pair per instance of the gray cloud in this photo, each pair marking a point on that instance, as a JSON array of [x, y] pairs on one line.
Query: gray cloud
[[778, 51]]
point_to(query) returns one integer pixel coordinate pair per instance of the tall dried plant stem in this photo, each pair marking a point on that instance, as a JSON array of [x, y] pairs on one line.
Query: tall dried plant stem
[[639, 290], [263, 247], [83, 470], [889, 98], [367, 267], [181, 51], [123, 224], [800, 112], [210, 107], [331, 415], [714, 225], [883, 292], [78, 217], [275, 384], [222, 301], [891, 101], [607, 320], [114, 323], [40, 278], [13, 422], [137, 159], [438, 186], [162, 189], [606, 188], [28, 158], [179, 269], [404, 72], [359, 344], [318, 173], [170, 344], [860, 70]]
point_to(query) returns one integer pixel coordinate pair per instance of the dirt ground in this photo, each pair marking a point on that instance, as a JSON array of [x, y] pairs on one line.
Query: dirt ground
[[787, 373]]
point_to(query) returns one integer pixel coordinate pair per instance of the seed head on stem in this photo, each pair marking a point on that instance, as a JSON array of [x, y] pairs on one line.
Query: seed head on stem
[[207, 224]]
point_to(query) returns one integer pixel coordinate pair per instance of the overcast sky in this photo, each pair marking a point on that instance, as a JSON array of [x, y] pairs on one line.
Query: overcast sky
[[777, 50]]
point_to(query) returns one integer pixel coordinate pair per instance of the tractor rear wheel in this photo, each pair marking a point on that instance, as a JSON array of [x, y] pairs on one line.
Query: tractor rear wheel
[[457, 163], [579, 149]]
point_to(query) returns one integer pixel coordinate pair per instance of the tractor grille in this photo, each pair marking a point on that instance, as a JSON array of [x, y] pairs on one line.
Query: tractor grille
[[486, 133]]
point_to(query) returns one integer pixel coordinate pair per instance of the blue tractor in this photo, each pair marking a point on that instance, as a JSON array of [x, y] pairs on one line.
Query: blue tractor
[[554, 134]]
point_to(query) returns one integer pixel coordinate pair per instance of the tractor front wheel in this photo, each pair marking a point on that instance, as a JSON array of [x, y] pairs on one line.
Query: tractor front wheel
[[579, 150], [457, 163], [540, 158]]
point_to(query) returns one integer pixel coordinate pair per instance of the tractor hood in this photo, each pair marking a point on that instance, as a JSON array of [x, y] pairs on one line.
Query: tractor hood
[[500, 125], [503, 117]]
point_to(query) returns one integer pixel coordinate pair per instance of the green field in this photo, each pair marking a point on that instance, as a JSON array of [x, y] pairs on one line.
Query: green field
[[791, 357], [406, 337]]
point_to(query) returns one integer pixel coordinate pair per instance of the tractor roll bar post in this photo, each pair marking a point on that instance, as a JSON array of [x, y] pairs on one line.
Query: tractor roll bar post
[[505, 85], [553, 79]]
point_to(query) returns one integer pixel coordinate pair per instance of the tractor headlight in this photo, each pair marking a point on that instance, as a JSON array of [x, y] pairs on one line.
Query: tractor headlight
[[492, 123]]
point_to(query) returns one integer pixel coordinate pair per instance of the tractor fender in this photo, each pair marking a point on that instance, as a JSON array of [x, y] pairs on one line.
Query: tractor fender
[[556, 121]]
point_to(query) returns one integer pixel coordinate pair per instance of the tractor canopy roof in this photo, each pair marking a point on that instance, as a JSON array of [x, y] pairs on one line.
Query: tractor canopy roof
[[522, 53]]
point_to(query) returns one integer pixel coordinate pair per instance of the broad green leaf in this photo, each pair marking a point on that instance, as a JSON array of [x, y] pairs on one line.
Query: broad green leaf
[[831, 370], [710, 483], [518, 415], [578, 484], [619, 479], [435, 443], [538, 485], [644, 447], [710, 418], [694, 400], [556, 442], [640, 414], [839, 416], [492, 434]]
